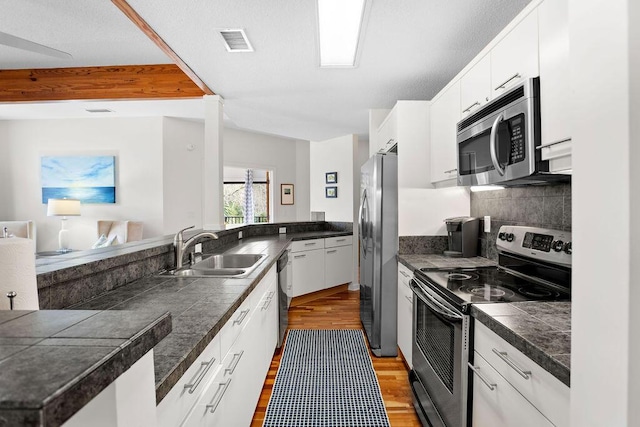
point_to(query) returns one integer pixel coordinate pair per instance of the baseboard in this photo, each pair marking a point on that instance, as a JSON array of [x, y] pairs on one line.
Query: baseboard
[[307, 298]]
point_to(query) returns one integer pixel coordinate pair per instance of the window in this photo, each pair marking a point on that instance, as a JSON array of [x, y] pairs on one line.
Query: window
[[246, 196]]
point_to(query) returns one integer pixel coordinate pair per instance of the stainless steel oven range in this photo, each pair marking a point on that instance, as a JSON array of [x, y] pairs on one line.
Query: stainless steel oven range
[[534, 265]]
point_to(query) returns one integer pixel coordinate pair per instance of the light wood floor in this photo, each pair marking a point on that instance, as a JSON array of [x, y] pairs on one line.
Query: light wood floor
[[341, 311]]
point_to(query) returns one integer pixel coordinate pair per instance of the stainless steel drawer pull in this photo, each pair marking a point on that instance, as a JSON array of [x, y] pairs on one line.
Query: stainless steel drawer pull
[[515, 76], [340, 240], [311, 244], [267, 303], [332, 252], [451, 170], [241, 318], [503, 355], [471, 106], [300, 256], [222, 389], [553, 143], [409, 298], [486, 382], [194, 385], [234, 362], [404, 274]]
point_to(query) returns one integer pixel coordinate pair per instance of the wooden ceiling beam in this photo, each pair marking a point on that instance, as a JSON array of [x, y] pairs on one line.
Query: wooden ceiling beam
[[112, 82], [150, 32]]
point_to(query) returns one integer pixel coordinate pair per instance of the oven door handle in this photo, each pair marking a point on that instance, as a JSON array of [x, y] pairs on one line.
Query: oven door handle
[[435, 305], [493, 144]]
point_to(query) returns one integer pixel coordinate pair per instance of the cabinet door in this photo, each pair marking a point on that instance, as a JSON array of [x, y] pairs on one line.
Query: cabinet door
[[308, 272], [555, 83], [515, 57], [475, 87], [445, 114], [498, 404], [388, 131], [405, 316], [338, 266]]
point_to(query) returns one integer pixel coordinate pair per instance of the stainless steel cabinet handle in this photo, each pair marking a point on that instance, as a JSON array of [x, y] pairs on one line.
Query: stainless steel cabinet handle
[[451, 170], [404, 274], [471, 106], [332, 252], [515, 76], [493, 144], [241, 318], [232, 366], [222, 389], [341, 240], [311, 244], [409, 298], [267, 303], [505, 358], [476, 371], [553, 143], [299, 256], [194, 385]]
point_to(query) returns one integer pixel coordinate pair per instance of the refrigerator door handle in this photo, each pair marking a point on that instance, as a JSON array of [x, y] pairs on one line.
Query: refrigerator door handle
[[361, 224]]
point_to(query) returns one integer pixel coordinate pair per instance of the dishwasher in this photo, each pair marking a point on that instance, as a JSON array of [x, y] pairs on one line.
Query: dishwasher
[[284, 280]]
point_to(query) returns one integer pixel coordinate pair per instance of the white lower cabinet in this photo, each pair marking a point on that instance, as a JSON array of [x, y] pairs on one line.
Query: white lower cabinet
[[405, 313], [509, 389], [229, 391], [321, 263]]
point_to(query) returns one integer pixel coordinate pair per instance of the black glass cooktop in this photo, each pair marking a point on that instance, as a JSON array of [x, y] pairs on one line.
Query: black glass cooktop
[[484, 285]]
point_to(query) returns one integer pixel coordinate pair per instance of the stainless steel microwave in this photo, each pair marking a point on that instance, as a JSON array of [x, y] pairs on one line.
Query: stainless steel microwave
[[498, 143]]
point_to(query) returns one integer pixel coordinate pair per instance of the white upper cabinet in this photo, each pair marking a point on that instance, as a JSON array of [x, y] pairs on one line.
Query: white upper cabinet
[[475, 87], [515, 57], [554, 84], [445, 114], [388, 131]]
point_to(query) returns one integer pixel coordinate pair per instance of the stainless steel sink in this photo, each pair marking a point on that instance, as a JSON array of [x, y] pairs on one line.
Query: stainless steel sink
[[224, 265]]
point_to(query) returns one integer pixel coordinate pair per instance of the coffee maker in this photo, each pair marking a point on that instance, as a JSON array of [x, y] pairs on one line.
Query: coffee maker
[[463, 236]]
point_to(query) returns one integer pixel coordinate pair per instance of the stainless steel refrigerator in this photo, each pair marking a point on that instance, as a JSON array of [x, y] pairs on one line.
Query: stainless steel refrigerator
[[378, 233]]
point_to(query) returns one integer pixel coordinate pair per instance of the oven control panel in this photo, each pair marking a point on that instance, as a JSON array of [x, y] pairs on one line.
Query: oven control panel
[[537, 243]]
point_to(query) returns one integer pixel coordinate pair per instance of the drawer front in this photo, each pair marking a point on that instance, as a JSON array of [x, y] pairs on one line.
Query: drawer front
[[404, 275], [239, 319], [405, 322], [497, 404], [338, 263], [542, 389], [183, 396], [332, 242], [307, 245]]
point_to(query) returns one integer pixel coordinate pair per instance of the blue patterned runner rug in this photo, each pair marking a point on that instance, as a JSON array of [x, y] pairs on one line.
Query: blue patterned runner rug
[[326, 379]]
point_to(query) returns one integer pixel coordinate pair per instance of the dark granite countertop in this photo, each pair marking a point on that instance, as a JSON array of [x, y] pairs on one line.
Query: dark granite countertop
[[540, 330], [199, 306], [416, 261], [54, 362]]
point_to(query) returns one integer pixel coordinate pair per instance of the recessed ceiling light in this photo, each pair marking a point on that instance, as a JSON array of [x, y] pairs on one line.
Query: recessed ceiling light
[[339, 27], [235, 40]]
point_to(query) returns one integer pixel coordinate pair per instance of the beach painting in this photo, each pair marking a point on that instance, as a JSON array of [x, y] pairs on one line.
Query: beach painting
[[90, 179]]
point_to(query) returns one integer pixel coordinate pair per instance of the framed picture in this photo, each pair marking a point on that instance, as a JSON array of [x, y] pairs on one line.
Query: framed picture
[[90, 179], [286, 194], [331, 192], [331, 177]]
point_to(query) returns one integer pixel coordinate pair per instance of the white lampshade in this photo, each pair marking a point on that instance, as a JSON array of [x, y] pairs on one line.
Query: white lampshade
[[63, 207]]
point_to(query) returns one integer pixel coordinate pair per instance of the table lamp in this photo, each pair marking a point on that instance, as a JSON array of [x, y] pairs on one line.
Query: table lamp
[[63, 208]]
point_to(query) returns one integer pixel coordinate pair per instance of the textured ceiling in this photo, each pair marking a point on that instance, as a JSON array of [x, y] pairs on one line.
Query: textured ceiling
[[410, 50]]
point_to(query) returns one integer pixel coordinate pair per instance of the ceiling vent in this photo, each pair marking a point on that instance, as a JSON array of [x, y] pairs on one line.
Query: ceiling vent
[[98, 110], [235, 40]]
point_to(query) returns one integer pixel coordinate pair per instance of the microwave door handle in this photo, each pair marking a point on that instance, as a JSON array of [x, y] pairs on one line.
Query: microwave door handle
[[493, 141]]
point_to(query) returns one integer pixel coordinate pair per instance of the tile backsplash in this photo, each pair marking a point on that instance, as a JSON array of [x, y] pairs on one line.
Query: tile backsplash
[[547, 206]]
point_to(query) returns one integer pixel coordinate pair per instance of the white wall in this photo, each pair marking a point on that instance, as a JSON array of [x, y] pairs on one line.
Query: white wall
[[136, 143], [605, 348], [182, 162], [334, 155], [258, 151], [302, 189]]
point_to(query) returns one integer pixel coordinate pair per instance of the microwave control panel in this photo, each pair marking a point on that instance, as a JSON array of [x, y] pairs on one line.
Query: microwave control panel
[[517, 136]]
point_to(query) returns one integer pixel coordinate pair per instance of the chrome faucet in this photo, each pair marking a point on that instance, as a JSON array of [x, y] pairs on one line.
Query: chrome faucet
[[180, 245]]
